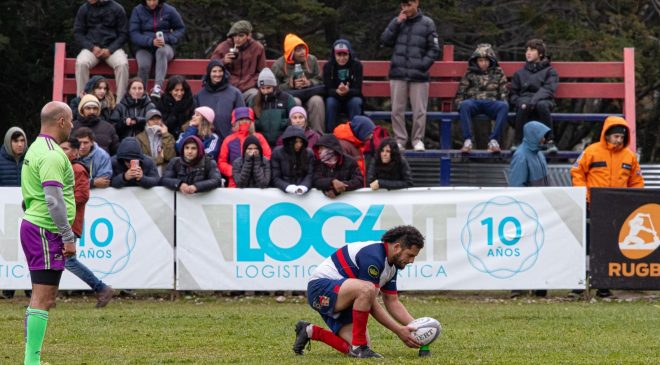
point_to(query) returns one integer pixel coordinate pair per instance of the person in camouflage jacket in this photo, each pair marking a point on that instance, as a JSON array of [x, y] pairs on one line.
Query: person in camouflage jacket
[[483, 90]]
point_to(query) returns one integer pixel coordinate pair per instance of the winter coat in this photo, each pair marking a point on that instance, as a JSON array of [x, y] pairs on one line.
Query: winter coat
[[351, 73], [416, 47], [286, 168], [232, 148], [175, 113], [105, 134], [10, 166], [251, 172], [166, 145], [602, 166], [201, 172], [283, 68], [80, 194], [390, 179], [536, 81], [103, 24], [477, 84], [274, 116], [312, 138], [106, 111], [129, 149], [528, 166], [346, 170], [131, 108], [222, 98], [244, 70], [144, 24], [351, 145], [211, 143], [98, 163]]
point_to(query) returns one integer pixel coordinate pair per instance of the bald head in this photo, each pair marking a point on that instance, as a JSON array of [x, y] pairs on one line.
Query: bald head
[[52, 112]]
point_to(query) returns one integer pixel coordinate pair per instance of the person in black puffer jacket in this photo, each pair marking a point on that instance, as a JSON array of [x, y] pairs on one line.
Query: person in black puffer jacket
[[533, 91], [334, 172], [389, 169], [416, 47], [194, 171], [129, 117], [292, 164], [176, 104], [251, 169]]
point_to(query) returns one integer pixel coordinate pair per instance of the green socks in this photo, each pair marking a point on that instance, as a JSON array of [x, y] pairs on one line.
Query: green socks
[[36, 321]]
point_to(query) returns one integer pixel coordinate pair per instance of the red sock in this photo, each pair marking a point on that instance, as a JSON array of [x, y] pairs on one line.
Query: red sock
[[329, 338], [360, 319]]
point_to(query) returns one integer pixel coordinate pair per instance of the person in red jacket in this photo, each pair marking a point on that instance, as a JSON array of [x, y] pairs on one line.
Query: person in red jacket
[[353, 137], [81, 194], [242, 122]]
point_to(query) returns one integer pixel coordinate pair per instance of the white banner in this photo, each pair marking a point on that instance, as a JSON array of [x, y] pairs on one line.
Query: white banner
[[127, 240], [488, 238]]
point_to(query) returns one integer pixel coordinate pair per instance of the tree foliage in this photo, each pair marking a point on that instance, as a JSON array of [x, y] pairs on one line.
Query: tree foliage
[[575, 30]]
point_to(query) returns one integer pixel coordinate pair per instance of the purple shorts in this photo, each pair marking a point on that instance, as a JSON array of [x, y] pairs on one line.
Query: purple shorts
[[43, 249]]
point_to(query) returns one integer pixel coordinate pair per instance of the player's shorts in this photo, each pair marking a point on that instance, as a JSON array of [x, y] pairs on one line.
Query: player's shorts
[[322, 296], [43, 249]]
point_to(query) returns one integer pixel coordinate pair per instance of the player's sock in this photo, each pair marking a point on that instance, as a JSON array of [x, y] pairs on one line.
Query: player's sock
[[359, 327], [329, 338], [36, 321]]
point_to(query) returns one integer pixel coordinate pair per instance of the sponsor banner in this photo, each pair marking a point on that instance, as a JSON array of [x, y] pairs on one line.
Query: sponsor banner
[[624, 239], [127, 241], [252, 239]]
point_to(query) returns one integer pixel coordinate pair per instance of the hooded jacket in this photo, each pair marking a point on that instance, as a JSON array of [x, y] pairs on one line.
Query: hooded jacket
[[106, 111], [253, 171], [131, 108], [528, 166], [244, 70], [145, 23], [602, 166], [351, 143], [283, 67], [346, 170], [536, 81], [416, 47], [222, 98], [103, 24], [201, 171], [98, 163], [288, 167], [129, 149], [351, 73], [483, 85], [274, 116], [10, 164]]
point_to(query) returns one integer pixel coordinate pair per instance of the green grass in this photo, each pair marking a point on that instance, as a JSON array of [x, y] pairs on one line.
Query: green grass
[[477, 329]]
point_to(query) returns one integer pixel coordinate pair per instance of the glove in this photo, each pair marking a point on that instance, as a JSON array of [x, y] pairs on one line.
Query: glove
[[302, 189], [291, 189]]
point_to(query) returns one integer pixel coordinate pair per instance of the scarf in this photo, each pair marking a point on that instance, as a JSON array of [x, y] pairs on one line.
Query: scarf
[[329, 158]]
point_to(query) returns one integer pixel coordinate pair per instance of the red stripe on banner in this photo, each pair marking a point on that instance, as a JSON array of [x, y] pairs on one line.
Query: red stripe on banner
[[344, 264]]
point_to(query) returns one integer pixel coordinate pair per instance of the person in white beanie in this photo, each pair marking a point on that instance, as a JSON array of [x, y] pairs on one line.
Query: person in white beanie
[[271, 107]]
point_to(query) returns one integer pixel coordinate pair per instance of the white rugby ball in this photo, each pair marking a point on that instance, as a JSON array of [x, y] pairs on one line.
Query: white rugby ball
[[426, 331]]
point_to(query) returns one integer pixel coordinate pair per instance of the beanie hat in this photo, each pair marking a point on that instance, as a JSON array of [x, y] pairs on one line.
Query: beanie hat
[[362, 127], [266, 78], [251, 139], [617, 129], [298, 109], [242, 112], [86, 100], [206, 112], [241, 26]]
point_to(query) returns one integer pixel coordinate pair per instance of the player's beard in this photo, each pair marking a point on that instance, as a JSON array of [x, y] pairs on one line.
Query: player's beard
[[400, 264]]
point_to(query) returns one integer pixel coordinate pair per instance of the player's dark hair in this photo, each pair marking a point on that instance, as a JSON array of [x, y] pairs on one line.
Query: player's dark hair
[[73, 142], [407, 236], [16, 135], [83, 132]]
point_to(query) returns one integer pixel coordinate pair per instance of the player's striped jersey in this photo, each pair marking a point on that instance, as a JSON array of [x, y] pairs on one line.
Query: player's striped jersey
[[364, 261]]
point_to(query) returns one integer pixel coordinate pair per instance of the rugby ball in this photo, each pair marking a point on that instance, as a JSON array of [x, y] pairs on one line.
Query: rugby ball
[[426, 330]]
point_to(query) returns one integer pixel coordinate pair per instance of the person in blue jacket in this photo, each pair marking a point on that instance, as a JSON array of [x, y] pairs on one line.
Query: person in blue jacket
[[155, 28]]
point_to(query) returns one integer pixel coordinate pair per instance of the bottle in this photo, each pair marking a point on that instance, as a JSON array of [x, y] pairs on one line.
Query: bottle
[[297, 71], [424, 351]]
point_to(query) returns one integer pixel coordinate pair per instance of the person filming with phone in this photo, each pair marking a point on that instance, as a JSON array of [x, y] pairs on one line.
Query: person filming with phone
[[131, 168]]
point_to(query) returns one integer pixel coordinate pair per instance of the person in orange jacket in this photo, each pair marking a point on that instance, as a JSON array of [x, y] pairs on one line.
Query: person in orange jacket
[[353, 137], [608, 163]]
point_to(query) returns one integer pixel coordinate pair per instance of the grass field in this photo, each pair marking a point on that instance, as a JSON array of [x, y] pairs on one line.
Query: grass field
[[478, 328]]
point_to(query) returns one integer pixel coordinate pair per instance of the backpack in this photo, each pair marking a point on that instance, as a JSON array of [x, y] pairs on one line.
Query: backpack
[[380, 134]]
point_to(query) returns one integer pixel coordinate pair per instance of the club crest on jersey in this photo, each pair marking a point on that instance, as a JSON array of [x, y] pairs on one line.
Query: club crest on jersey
[[324, 301], [373, 271]]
